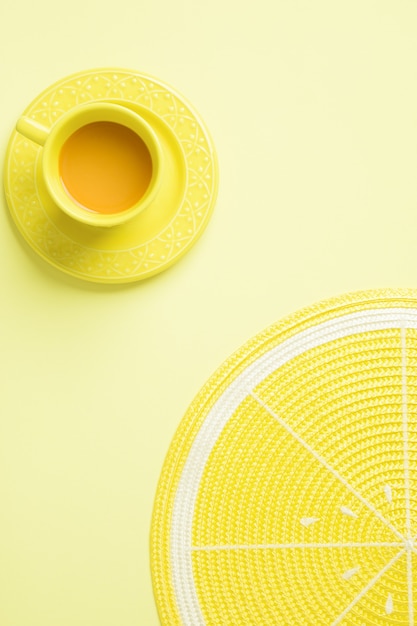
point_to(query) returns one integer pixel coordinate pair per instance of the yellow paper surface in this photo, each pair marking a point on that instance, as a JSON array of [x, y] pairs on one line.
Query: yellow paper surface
[[312, 107]]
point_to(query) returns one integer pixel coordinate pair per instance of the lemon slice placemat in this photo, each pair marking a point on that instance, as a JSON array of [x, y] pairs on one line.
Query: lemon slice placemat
[[289, 493]]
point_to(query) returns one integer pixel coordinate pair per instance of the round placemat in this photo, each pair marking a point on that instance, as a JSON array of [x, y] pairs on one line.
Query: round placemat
[[161, 234], [289, 493]]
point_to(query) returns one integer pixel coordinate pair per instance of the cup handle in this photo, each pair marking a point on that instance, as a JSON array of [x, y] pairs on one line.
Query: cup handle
[[32, 130]]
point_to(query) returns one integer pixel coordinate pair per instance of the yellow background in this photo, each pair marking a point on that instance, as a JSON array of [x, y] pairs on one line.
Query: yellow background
[[313, 109]]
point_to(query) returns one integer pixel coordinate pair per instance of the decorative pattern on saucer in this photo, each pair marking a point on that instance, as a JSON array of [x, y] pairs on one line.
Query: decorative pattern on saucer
[[289, 493], [154, 240]]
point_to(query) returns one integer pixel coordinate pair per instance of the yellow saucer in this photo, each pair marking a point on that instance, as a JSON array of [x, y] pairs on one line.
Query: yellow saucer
[[159, 236]]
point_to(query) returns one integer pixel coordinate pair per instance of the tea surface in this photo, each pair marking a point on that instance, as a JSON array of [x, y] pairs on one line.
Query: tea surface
[[105, 167]]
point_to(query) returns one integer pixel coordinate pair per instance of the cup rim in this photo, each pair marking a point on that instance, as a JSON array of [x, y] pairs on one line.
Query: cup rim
[[67, 125]]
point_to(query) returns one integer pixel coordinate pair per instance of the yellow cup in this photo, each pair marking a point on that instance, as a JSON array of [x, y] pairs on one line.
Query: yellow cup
[[101, 162]]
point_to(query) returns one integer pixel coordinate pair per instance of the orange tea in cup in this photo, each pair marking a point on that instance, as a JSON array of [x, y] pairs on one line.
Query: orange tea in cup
[[105, 167]]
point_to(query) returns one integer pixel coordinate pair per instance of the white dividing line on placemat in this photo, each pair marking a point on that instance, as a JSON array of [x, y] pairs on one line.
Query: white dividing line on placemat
[[410, 587], [291, 546], [368, 587], [405, 429], [407, 472], [327, 465]]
